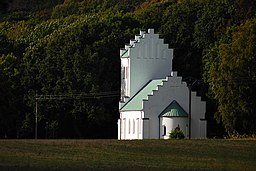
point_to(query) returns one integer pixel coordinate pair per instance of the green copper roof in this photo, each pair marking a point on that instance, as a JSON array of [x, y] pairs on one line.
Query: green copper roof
[[124, 53], [174, 110], [136, 102]]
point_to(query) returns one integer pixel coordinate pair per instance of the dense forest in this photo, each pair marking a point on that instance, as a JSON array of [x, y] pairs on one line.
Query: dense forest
[[60, 59]]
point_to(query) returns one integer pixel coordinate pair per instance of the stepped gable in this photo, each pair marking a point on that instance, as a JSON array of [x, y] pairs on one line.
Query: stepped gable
[[139, 41]]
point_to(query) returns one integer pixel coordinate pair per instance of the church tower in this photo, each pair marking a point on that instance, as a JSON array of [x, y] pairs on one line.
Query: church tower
[[145, 58], [154, 99]]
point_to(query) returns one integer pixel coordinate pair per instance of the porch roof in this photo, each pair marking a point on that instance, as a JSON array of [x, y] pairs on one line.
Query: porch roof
[[174, 110]]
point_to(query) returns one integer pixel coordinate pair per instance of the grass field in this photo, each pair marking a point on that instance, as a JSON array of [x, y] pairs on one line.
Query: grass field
[[127, 155]]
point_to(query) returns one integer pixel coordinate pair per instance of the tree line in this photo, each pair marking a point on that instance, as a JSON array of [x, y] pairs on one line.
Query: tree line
[[72, 47]]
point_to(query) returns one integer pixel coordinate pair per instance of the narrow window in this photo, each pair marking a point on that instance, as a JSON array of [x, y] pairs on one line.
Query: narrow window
[[121, 126], [126, 72], [129, 126], [138, 125], [133, 131], [124, 126], [164, 130], [123, 72]]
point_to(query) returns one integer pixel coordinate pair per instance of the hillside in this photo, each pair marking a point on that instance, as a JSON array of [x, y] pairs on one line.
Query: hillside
[[71, 48]]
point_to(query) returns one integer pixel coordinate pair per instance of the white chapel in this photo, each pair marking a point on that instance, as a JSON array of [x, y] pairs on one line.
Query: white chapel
[[154, 99]]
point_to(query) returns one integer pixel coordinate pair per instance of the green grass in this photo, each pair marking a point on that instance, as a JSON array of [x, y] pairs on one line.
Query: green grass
[[127, 155]]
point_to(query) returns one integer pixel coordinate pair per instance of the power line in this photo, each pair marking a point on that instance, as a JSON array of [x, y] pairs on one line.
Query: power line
[[72, 97], [81, 96], [240, 81]]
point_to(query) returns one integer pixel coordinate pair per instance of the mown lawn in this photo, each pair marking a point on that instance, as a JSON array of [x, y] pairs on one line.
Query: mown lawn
[[128, 155]]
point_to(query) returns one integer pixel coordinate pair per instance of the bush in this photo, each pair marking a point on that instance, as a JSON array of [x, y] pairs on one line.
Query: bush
[[176, 134], [236, 135]]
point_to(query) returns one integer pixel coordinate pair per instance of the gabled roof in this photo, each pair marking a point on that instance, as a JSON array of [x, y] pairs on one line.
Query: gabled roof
[[136, 102], [174, 110]]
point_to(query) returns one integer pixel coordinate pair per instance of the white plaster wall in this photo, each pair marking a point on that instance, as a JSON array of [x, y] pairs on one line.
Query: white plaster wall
[[203, 128], [171, 123], [146, 128], [197, 113], [125, 62], [173, 89], [134, 119], [119, 129], [150, 59]]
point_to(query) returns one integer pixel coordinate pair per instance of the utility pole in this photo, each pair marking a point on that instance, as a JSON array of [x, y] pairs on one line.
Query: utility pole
[[38, 98], [36, 119], [189, 112]]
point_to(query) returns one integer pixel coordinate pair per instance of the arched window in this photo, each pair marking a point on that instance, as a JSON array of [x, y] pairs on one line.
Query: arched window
[[138, 126], [164, 130], [129, 126]]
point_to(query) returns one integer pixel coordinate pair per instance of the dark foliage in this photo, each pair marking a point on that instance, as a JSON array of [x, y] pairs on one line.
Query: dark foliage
[[71, 48]]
